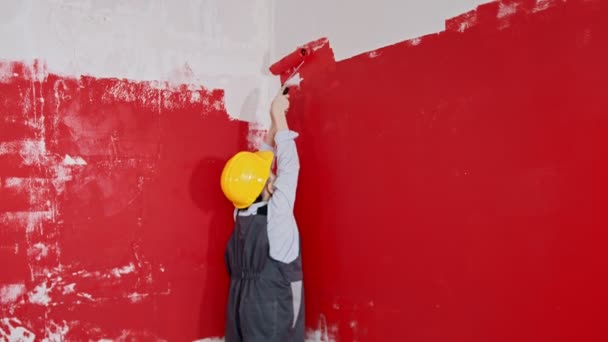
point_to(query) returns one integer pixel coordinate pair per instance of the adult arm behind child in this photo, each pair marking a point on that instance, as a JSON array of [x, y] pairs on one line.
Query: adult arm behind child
[[282, 228]]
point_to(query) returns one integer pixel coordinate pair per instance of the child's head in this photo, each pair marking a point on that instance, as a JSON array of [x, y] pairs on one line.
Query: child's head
[[247, 176]]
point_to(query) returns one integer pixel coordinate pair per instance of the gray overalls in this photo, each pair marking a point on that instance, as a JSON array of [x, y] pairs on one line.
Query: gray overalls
[[266, 301]]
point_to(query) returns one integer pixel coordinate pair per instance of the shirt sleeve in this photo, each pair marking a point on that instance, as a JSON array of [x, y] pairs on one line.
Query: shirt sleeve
[[283, 235], [265, 147]]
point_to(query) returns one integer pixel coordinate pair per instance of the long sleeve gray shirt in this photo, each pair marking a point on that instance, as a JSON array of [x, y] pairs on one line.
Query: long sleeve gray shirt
[[283, 234]]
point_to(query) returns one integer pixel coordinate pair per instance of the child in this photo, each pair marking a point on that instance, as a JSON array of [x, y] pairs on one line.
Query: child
[[266, 301]]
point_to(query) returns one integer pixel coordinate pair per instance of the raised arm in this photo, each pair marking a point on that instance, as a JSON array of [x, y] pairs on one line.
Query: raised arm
[[288, 163], [278, 120], [269, 141], [283, 233]]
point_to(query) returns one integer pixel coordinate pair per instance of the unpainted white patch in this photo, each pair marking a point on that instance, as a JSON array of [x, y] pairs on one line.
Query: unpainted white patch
[[10, 293], [54, 332], [73, 161], [318, 336], [137, 297], [86, 295], [211, 339], [373, 54], [8, 148], [62, 175], [120, 91], [33, 152], [506, 10], [39, 72], [36, 189], [321, 44], [12, 329], [467, 21], [32, 121], [415, 41], [38, 251], [85, 274], [13, 182], [40, 295], [294, 81], [6, 71], [323, 332], [70, 288], [195, 97], [542, 5], [118, 272], [256, 136], [30, 220], [218, 105]]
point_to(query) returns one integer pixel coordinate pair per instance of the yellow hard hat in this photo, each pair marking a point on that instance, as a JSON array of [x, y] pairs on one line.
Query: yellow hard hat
[[245, 176]]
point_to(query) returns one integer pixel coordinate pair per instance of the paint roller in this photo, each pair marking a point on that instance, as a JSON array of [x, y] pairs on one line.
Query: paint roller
[[289, 66]]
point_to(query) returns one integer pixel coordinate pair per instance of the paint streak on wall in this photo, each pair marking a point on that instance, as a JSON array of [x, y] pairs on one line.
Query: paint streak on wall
[[453, 187], [112, 222]]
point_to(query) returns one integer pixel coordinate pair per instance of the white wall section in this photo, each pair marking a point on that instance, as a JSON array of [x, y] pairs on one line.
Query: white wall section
[[226, 44], [354, 27]]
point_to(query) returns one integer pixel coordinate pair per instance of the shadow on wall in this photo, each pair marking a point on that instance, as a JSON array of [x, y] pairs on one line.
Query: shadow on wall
[[205, 192], [205, 187]]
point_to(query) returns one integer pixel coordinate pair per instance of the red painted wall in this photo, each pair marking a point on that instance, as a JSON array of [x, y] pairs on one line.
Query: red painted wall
[[454, 188], [130, 245]]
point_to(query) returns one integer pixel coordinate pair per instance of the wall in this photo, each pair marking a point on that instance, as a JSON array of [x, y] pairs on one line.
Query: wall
[[452, 186], [354, 27], [487, 226], [112, 223], [216, 44], [111, 215]]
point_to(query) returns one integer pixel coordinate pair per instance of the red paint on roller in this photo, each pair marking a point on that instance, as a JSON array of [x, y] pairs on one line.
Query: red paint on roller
[[289, 64], [454, 188]]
